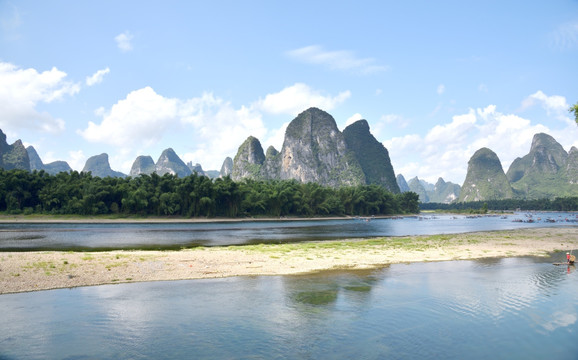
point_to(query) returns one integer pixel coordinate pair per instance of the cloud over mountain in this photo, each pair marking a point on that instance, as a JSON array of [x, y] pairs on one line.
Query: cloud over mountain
[[23, 90], [293, 99], [434, 154]]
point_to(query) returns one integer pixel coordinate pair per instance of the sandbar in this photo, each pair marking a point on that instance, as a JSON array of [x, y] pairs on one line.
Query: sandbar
[[43, 270]]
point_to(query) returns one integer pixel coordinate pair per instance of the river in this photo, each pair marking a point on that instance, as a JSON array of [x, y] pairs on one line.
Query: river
[[489, 309], [99, 236], [492, 308]]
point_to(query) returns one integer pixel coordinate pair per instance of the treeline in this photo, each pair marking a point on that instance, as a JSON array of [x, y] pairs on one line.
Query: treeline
[[557, 204], [37, 192]]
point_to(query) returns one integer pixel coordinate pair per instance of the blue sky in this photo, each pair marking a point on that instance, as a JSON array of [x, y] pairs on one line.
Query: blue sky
[[435, 80]]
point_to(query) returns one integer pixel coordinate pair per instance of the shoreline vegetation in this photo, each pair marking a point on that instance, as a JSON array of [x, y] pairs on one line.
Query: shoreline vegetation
[[193, 196], [104, 219], [44, 270]]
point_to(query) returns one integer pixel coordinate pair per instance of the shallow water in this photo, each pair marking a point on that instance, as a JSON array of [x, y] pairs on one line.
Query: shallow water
[[493, 308], [29, 237]]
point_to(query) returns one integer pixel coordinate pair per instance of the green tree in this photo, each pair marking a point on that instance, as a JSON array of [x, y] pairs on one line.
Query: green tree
[[169, 203], [191, 196], [574, 109]]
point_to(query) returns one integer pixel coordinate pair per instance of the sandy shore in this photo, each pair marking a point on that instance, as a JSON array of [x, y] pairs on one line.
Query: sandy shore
[[31, 271]]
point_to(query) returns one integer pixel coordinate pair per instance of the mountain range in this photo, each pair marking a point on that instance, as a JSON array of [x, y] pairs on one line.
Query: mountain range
[[13, 156], [314, 150], [440, 192], [547, 171]]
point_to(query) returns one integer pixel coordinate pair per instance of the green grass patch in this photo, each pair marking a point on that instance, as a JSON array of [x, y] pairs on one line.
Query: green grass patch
[[373, 245]]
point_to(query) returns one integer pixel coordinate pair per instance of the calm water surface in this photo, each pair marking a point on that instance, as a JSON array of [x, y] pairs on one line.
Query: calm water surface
[[518, 308], [29, 237]]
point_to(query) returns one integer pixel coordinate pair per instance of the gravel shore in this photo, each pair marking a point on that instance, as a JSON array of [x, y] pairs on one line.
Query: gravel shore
[[31, 271]]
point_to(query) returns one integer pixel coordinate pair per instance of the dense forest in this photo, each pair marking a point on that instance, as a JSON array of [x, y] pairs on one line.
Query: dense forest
[[37, 192], [557, 204]]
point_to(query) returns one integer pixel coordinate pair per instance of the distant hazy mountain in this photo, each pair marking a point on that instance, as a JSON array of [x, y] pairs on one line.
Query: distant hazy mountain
[[213, 174], [441, 192], [170, 162], [99, 166], [52, 168], [142, 165], [416, 186], [197, 168], [444, 192], [227, 167], [403, 186]]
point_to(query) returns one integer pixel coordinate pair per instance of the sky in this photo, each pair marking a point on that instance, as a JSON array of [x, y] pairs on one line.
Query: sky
[[436, 81]]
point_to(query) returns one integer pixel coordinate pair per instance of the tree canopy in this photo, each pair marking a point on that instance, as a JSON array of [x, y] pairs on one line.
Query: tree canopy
[[77, 193], [557, 204], [574, 109]]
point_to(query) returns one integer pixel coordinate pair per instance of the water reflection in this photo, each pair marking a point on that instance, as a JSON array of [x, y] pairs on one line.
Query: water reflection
[[323, 289], [502, 308]]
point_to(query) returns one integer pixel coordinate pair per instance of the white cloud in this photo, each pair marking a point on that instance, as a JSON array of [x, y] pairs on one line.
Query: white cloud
[[385, 123], [296, 98], [398, 120], [353, 119], [276, 137], [211, 127], [76, 160], [141, 118], [144, 119], [446, 149], [550, 103], [220, 129], [97, 77], [441, 89], [458, 129], [554, 105], [101, 111], [565, 36], [23, 89], [123, 41], [336, 60], [10, 21]]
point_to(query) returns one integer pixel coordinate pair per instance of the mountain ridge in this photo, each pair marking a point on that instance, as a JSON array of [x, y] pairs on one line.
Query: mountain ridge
[[314, 150]]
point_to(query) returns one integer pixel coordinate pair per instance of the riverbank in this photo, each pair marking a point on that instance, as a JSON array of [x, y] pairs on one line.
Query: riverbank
[[105, 219], [32, 271]]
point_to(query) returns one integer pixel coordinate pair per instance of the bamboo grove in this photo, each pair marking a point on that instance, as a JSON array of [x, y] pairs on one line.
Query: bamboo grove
[[75, 193]]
